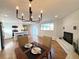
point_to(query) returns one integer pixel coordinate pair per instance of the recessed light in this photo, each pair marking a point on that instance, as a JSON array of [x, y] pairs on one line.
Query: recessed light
[[56, 16], [5, 15]]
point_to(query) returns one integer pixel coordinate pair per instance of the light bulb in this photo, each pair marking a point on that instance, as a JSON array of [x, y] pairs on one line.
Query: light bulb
[[22, 14], [17, 7], [29, 4], [32, 17], [39, 16], [41, 11], [56, 16]]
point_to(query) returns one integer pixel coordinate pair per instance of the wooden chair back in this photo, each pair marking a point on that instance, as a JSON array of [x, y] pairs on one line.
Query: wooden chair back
[[22, 40], [46, 41]]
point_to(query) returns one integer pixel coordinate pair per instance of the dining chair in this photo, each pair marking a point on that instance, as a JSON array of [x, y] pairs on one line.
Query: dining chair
[[46, 41], [22, 40]]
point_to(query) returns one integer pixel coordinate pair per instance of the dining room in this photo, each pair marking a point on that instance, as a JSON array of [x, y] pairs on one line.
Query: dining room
[[39, 29]]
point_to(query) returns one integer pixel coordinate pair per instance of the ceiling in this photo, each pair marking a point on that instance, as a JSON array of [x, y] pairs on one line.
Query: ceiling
[[51, 8]]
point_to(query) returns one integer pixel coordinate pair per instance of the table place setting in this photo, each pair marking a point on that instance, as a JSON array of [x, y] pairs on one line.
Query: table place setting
[[36, 50], [28, 45], [33, 48]]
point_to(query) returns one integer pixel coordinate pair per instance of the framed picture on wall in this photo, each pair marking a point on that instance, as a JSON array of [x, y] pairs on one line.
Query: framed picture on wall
[[74, 27], [63, 27]]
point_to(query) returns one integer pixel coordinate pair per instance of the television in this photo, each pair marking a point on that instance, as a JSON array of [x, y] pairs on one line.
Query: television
[[68, 37]]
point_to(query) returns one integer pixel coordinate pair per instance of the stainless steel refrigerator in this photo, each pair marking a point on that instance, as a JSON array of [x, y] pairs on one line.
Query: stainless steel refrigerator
[[1, 38]]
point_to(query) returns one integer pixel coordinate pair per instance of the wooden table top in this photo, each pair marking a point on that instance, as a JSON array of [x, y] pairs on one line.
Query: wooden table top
[[22, 53]]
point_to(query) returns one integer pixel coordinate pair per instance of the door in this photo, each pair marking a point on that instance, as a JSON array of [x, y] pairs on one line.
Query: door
[[1, 38]]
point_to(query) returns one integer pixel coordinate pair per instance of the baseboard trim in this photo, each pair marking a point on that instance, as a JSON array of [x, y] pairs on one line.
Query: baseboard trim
[[65, 45]]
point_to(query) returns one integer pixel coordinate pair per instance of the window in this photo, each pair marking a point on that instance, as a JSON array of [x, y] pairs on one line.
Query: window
[[47, 26]]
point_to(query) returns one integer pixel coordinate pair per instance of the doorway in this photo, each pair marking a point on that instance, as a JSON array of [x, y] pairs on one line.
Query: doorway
[[35, 33]]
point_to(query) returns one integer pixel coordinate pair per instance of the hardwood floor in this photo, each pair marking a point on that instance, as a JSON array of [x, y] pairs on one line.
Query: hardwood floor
[[59, 52], [9, 53]]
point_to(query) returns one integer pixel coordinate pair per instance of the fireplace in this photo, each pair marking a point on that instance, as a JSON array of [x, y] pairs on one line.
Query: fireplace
[[68, 37]]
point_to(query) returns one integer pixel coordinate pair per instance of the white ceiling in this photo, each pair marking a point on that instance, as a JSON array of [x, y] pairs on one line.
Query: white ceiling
[[51, 8]]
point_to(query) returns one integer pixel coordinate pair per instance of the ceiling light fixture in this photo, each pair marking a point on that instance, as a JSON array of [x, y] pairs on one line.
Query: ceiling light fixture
[[5, 15], [30, 14], [56, 16]]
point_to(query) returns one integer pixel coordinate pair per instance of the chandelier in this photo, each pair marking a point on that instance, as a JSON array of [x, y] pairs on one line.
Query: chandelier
[[30, 14]]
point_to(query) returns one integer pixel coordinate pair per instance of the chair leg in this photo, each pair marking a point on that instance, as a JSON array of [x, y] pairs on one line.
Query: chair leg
[[46, 56]]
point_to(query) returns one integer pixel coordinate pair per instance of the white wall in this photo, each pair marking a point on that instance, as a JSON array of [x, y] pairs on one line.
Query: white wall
[[56, 33], [7, 23], [58, 28], [69, 22], [7, 29]]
